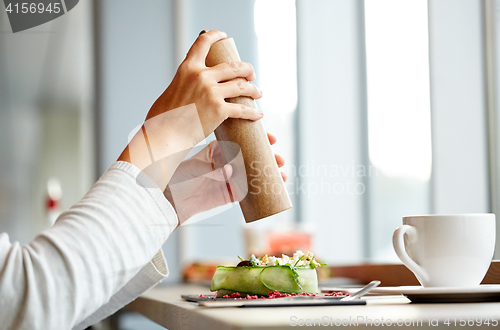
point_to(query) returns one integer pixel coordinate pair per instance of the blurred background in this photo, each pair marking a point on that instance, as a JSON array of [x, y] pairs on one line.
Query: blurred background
[[382, 109]]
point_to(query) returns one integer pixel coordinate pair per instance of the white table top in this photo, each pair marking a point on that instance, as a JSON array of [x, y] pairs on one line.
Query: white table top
[[165, 306]]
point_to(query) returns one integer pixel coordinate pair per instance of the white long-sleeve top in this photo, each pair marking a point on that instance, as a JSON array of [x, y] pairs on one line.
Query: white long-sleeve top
[[100, 255]]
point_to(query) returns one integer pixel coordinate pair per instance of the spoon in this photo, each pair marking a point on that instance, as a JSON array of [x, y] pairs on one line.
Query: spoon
[[364, 290]]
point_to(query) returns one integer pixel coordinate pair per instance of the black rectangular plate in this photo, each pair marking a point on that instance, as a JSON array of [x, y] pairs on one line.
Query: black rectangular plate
[[286, 302], [211, 297]]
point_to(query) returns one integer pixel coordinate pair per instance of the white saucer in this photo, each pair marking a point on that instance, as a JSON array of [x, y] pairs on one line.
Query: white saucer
[[480, 293]]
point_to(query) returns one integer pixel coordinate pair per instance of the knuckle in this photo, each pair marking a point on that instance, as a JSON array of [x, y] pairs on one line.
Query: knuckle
[[184, 68], [249, 67], [235, 66], [203, 38], [203, 76], [208, 91], [243, 110], [241, 84]]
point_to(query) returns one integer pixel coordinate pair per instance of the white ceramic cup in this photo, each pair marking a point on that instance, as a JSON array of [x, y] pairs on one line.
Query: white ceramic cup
[[447, 250]]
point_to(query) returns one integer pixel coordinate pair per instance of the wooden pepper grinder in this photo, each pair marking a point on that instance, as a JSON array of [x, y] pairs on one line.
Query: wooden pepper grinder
[[267, 193]]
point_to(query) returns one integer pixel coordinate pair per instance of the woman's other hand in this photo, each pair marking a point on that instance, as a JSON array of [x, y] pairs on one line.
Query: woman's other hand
[[200, 183]]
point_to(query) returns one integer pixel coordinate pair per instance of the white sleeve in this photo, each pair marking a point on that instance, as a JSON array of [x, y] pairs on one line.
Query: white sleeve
[[99, 256]]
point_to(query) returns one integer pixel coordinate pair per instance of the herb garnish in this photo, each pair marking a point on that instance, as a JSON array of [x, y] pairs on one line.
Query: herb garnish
[[255, 262], [252, 261]]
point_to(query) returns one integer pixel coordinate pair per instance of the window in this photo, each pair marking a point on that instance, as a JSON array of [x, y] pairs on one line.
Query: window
[[399, 120]]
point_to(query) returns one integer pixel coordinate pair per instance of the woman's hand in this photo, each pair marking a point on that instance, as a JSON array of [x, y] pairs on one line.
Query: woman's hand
[[191, 108], [208, 88], [199, 184]]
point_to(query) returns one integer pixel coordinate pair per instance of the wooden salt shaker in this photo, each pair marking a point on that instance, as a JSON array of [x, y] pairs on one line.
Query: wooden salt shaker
[[267, 193]]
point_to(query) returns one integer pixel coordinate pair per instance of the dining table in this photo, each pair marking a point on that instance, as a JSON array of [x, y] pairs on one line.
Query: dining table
[[165, 306]]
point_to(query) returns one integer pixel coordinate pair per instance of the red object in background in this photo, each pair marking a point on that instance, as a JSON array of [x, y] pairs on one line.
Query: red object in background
[[53, 200], [52, 203], [288, 242]]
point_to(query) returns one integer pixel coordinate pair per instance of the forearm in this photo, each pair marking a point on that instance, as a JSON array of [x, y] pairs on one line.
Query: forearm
[[163, 141], [92, 251]]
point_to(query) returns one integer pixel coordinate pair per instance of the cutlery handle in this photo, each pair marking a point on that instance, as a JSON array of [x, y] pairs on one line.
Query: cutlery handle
[[399, 247]]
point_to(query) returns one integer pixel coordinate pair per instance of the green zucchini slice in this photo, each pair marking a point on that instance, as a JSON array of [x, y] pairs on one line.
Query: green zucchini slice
[[280, 278], [241, 279], [262, 280]]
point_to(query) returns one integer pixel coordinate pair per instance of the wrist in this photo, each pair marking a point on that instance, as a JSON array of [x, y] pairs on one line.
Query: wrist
[[162, 143]]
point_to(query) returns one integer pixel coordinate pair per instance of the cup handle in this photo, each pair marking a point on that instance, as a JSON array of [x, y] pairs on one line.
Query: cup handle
[[399, 247]]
